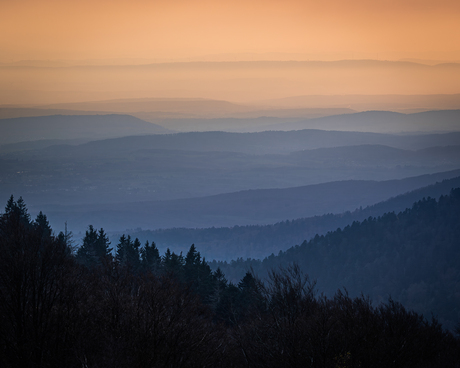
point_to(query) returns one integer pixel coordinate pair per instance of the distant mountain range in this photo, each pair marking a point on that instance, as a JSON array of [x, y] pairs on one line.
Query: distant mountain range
[[381, 122], [146, 168], [404, 103], [188, 115], [268, 142], [201, 179], [74, 127], [182, 114], [244, 81]]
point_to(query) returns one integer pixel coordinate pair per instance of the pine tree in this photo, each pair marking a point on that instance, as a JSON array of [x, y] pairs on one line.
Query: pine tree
[[86, 254], [37, 290], [102, 245], [173, 264], [150, 257], [10, 205], [220, 285], [17, 209], [128, 253], [193, 257], [42, 225], [198, 274], [23, 209], [95, 249]]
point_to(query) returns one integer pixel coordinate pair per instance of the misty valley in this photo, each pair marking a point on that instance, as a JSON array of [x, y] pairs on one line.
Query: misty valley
[[229, 184], [213, 234]]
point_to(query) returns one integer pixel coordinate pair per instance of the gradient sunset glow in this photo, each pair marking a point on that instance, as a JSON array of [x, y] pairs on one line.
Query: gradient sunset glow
[[70, 51], [178, 29]]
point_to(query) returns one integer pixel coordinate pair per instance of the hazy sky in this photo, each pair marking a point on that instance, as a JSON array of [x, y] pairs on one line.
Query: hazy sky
[[175, 29]]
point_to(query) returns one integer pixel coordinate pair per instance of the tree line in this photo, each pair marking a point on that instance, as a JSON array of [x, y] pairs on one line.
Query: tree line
[[258, 241], [95, 306], [411, 255]]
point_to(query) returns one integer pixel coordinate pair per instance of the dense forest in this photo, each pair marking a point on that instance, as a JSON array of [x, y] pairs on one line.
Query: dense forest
[[95, 306], [411, 255]]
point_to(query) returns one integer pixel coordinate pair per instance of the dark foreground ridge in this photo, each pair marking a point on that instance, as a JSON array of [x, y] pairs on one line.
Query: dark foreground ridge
[[61, 308]]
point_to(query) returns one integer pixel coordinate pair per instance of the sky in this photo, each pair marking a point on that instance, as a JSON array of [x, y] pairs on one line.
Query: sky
[[199, 29], [96, 41]]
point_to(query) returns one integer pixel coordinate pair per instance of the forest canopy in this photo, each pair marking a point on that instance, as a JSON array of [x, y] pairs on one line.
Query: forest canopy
[[62, 306]]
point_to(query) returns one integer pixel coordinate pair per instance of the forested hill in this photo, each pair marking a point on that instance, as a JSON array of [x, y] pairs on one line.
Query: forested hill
[[259, 241], [412, 256], [59, 309]]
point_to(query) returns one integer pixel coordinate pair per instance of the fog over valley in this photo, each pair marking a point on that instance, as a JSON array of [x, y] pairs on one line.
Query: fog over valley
[[228, 184]]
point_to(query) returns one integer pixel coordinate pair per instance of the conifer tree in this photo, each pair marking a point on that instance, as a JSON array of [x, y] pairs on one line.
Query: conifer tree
[[128, 253], [173, 264], [150, 257], [23, 209], [102, 245], [42, 225], [37, 292], [220, 285], [87, 252], [193, 257], [95, 248], [17, 209]]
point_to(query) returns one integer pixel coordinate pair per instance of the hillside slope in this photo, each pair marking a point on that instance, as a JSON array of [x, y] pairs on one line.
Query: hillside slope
[[412, 255], [258, 241], [252, 207]]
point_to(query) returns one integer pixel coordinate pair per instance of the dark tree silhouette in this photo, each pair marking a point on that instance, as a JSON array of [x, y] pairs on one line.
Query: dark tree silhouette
[[38, 292], [150, 258], [95, 248], [141, 310]]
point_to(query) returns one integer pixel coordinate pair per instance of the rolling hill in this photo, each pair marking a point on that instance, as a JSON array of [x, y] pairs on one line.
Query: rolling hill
[[242, 208], [381, 122], [258, 241], [91, 127], [411, 256], [269, 142]]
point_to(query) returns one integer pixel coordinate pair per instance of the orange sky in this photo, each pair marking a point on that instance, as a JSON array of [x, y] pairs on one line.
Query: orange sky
[[175, 29]]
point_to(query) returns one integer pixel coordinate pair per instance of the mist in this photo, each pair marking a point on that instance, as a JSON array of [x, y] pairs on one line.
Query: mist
[[229, 184], [242, 82]]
